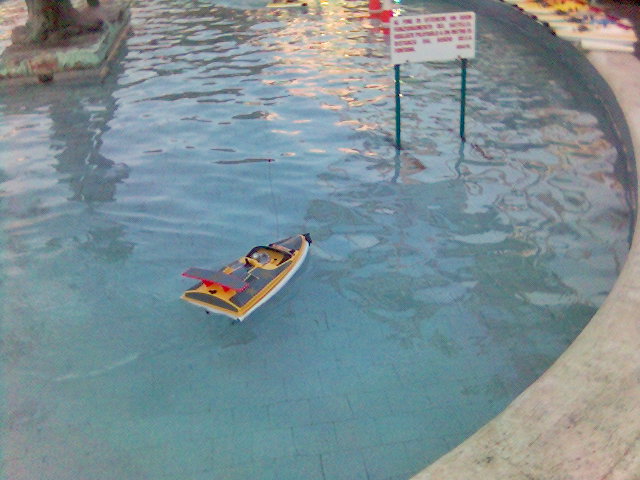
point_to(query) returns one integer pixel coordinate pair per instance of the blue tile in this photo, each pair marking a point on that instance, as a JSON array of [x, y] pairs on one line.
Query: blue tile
[[423, 452], [273, 443], [339, 380], [233, 449], [378, 377], [346, 465], [369, 404], [218, 472], [303, 387], [444, 419], [329, 408], [298, 467], [400, 428], [290, 413], [315, 439], [406, 400], [251, 415], [357, 433], [184, 458], [385, 461]]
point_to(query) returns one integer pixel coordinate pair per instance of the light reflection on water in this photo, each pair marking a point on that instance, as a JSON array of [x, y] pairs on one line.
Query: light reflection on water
[[442, 281]]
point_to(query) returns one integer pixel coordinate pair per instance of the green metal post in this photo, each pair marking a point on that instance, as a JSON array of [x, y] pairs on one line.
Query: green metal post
[[463, 97], [397, 75]]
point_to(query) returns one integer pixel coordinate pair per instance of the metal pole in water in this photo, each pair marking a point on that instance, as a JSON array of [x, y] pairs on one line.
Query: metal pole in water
[[397, 75], [463, 97]]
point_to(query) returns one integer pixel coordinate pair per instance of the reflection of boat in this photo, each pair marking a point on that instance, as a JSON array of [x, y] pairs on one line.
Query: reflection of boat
[[595, 20], [577, 21], [245, 284], [286, 3], [533, 7], [610, 33]]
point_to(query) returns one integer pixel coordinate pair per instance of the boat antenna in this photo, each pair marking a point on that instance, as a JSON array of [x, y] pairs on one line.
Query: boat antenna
[[273, 197]]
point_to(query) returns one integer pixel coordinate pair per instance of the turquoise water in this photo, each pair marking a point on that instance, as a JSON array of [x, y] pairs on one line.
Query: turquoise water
[[442, 280]]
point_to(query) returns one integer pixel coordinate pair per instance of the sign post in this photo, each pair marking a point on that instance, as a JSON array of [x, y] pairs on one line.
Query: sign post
[[396, 69], [433, 38], [463, 96]]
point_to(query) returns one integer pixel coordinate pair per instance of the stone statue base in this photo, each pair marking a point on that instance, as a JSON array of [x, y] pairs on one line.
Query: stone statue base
[[77, 54]]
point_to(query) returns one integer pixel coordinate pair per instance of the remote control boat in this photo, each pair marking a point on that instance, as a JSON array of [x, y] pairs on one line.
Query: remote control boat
[[239, 288]]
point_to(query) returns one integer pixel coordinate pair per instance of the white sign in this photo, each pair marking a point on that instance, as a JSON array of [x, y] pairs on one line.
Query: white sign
[[432, 38]]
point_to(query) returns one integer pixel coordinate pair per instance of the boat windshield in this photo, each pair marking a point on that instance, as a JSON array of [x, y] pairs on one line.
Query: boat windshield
[[267, 256], [261, 256]]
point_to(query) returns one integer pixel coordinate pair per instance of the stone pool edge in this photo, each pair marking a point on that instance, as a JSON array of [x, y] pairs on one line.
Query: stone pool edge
[[581, 418]]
